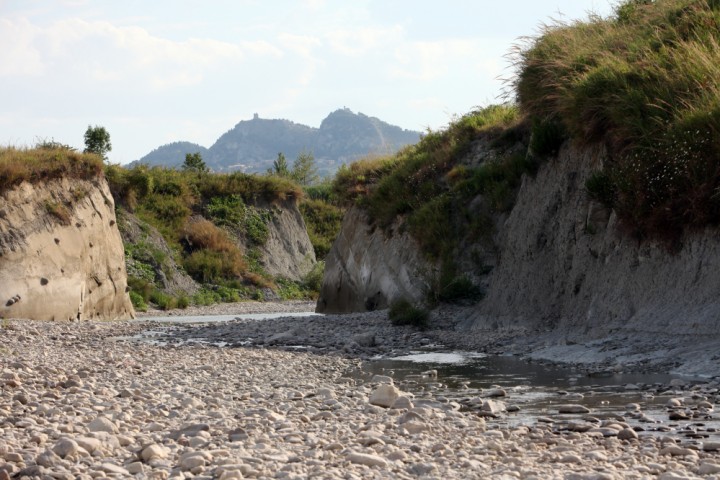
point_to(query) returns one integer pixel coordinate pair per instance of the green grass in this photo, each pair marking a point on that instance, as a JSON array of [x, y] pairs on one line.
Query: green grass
[[428, 187], [402, 312], [323, 221], [645, 83], [35, 165]]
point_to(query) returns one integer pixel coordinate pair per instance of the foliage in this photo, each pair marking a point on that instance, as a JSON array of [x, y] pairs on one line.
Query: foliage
[[59, 211], [194, 163], [431, 190], [402, 312], [304, 170], [280, 167], [97, 141], [138, 301], [162, 300], [323, 221], [645, 83], [314, 278], [19, 165]]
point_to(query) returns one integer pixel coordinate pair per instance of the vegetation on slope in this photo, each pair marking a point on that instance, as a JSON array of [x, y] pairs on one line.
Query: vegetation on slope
[[646, 83], [429, 187], [201, 215], [49, 160]]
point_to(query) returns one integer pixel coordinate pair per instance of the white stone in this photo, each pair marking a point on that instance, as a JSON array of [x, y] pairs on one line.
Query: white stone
[[154, 451], [65, 447], [102, 424], [384, 395], [366, 459], [572, 408]]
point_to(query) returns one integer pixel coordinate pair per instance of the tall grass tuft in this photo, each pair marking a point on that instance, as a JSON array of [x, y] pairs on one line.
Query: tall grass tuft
[[646, 83], [35, 165]]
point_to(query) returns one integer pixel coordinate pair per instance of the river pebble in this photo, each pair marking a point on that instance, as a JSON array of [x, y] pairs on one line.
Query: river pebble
[[85, 400]]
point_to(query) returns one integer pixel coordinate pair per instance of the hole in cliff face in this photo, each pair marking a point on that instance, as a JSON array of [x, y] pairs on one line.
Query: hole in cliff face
[[57, 241], [44, 281], [112, 222]]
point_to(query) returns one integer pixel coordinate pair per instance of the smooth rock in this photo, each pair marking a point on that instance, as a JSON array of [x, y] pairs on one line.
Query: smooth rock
[[367, 459], [573, 408], [102, 424], [384, 395], [154, 451], [65, 447]]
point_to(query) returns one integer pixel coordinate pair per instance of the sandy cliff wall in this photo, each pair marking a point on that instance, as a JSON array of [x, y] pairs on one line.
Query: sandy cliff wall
[[288, 251], [61, 256], [561, 263], [367, 269], [564, 263]]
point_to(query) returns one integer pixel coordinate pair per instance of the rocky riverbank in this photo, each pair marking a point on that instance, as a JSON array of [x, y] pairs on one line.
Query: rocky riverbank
[[84, 400]]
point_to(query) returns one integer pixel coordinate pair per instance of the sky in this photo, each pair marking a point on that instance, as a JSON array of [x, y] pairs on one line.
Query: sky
[[155, 72]]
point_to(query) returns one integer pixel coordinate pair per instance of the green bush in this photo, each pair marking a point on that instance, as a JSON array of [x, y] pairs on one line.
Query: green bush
[[183, 301], [323, 221], [458, 289], [314, 278], [402, 312], [138, 301], [162, 300]]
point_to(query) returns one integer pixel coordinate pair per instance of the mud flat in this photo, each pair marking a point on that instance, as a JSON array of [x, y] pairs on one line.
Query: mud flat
[[81, 400]]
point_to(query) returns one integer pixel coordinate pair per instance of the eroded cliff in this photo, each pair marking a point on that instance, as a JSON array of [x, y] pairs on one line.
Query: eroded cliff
[[61, 256], [367, 269], [561, 263]]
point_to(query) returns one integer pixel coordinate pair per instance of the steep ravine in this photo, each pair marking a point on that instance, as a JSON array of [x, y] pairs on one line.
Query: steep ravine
[[563, 267]]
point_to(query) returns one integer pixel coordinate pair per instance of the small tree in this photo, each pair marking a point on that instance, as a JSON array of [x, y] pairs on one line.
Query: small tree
[[194, 163], [280, 167], [97, 140], [304, 170]]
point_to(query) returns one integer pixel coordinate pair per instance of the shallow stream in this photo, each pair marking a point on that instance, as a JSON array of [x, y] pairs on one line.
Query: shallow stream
[[532, 392]]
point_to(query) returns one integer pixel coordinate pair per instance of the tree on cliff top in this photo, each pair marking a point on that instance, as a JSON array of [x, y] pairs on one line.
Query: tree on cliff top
[[195, 163], [97, 141]]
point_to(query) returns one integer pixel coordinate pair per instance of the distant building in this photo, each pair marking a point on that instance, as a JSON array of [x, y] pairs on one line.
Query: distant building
[[255, 116]]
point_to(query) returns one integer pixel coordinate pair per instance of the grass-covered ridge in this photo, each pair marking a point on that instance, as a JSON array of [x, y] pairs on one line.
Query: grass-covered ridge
[[214, 225], [35, 165], [646, 83], [427, 185]]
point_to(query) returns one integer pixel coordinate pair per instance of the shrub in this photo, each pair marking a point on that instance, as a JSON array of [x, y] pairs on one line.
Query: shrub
[[314, 278], [141, 286], [163, 300], [458, 289], [183, 301], [323, 221], [138, 301], [402, 312], [59, 211]]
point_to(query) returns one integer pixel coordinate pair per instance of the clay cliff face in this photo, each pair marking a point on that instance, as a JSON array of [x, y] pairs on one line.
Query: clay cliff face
[[288, 251], [561, 262], [368, 270], [564, 262], [61, 256]]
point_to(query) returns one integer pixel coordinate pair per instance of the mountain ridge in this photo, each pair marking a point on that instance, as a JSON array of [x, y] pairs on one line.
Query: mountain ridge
[[252, 145]]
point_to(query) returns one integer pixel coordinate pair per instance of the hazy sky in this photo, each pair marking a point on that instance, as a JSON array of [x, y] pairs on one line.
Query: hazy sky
[[158, 71]]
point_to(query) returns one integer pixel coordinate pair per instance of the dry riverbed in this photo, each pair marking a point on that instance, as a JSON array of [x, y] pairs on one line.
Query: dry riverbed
[[84, 400]]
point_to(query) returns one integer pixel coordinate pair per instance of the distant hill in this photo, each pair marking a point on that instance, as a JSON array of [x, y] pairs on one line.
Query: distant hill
[[253, 145], [172, 153]]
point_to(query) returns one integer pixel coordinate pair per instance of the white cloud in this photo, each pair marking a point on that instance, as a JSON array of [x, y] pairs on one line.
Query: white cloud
[[18, 55], [430, 60], [357, 41], [107, 53]]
